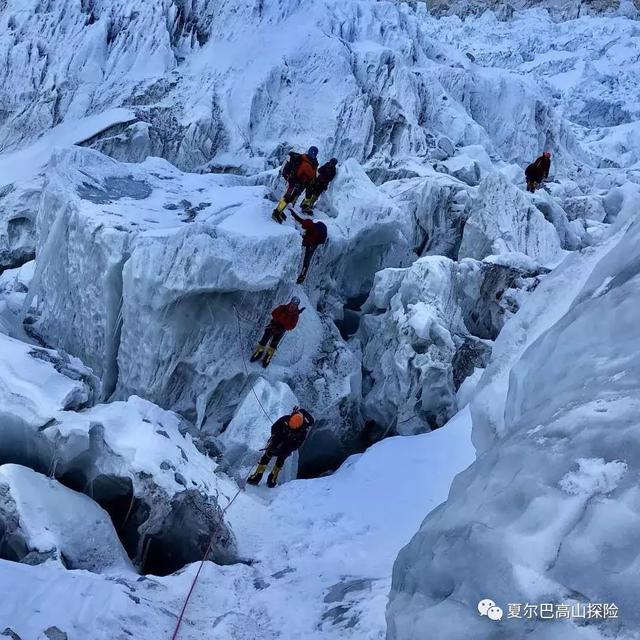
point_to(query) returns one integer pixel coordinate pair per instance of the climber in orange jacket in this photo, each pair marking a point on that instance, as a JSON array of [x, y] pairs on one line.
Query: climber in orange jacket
[[299, 172], [287, 435], [283, 318]]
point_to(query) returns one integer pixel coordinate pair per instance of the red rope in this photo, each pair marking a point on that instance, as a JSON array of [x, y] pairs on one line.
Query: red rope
[[195, 579]]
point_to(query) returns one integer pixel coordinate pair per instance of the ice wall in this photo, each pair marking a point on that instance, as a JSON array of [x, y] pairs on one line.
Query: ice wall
[[547, 513]]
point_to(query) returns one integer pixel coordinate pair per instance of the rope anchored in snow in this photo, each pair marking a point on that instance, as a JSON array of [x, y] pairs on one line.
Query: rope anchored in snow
[[195, 578], [210, 545]]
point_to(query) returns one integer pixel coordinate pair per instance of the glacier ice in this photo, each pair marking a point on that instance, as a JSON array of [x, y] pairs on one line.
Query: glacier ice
[[504, 220], [112, 225], [552, 495], [133, 458], [42, 520], [424, 330], [123, 346], [196, 94], [130, 457]]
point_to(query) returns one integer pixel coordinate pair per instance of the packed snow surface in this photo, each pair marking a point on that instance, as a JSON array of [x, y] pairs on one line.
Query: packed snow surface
[[323, 546]]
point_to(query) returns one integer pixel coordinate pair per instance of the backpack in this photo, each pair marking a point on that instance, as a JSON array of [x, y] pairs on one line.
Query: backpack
[[320, 233], [305, 171], [326, 173]]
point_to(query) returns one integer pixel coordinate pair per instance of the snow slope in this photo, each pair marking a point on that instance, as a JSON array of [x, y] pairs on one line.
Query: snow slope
[[322, 551]]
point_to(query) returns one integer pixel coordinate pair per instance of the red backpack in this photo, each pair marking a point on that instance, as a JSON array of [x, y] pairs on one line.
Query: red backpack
[[305, 171]]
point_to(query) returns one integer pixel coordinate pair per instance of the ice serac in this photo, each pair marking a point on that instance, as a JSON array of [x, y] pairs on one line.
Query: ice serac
[[548, 512], [162, 493], [424, 330], [138, 463], [368, 230], [435, 207], [504, 220], [42, 520], [21, 182], [149, 255]]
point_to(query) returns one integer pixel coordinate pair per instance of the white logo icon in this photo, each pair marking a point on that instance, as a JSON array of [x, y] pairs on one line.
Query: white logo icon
[[489, 608], [485, 605], [494, 613]]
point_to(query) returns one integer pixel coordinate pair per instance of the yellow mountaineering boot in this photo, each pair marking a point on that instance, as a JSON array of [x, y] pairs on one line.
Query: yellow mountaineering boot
[[272, 480], [307, 205], [256, 476], [278, 213], [257, 353], [268, 354]]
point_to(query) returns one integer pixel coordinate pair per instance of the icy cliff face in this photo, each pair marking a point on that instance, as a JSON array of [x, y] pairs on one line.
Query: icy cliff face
[[547, 512], [141, 149], [152, 252]]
